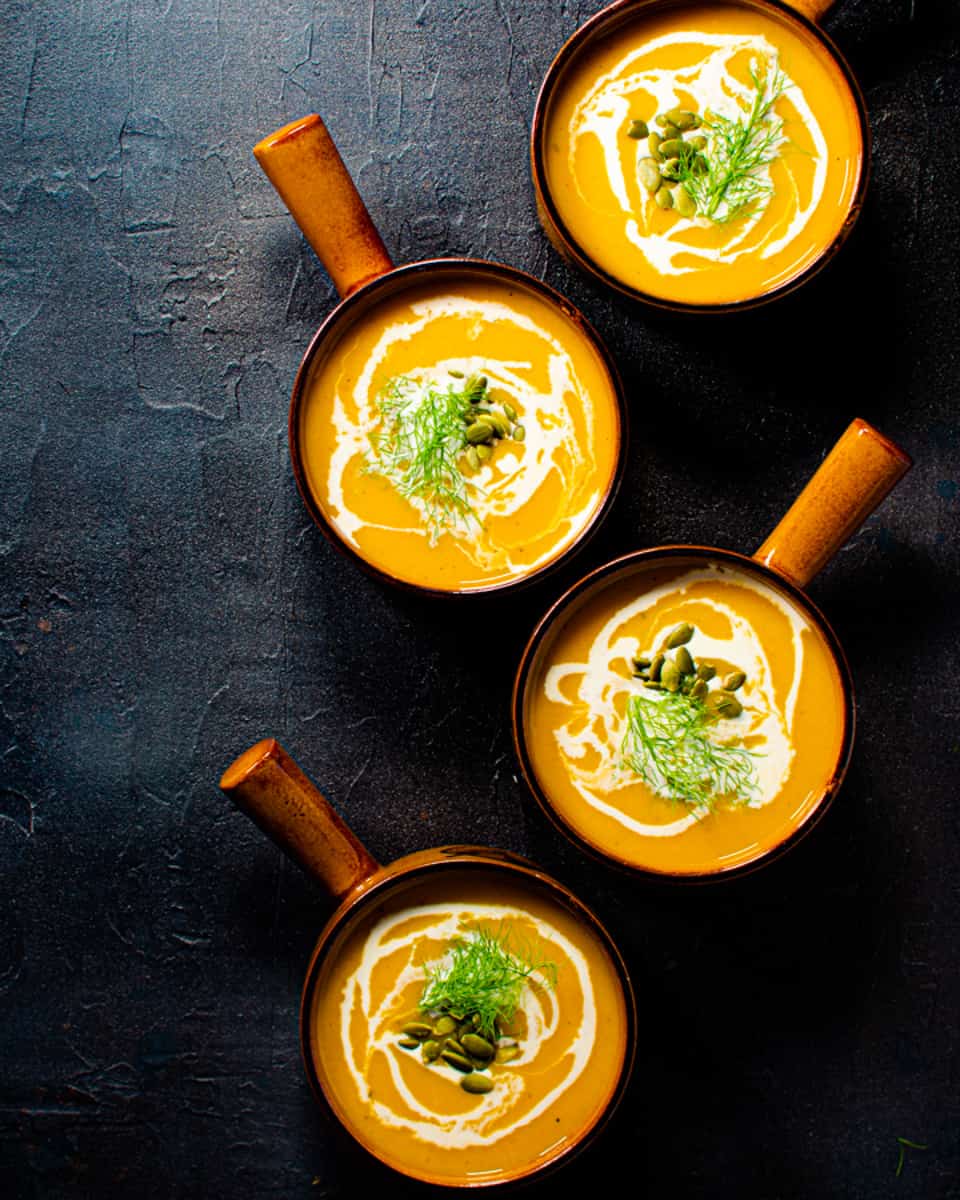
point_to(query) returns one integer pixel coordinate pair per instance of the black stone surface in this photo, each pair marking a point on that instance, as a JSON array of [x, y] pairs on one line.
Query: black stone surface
[[165, 601]]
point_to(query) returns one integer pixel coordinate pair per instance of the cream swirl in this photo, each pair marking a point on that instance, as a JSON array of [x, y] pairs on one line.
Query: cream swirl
[[590, 739], [548, 1043], [715, 86]]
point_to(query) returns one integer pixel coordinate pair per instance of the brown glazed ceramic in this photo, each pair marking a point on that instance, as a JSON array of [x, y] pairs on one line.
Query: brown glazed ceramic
[[268, 786], [808, 13], [853, 479], [303, 164]]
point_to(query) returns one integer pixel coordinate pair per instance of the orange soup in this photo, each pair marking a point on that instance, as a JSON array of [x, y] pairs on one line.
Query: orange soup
[[400, 484], [563, 1052], [703, 770], [747, 218]]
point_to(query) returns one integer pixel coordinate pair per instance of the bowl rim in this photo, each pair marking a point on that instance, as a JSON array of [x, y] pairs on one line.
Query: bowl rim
[[408, 275], [638, 559], [557, 230], [410, 869]]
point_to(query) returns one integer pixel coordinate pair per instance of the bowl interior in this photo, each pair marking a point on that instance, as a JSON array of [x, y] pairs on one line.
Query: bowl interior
[[355, 354], [434, 894], [571, 695], [615, 260]]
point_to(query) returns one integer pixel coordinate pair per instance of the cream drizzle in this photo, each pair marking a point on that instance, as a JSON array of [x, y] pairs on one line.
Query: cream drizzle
[[484, 1122], [517, 474], [608, 105], [768, 726]]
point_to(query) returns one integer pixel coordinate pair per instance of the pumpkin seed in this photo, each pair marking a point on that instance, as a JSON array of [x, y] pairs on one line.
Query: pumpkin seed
[[416, 1029], [698, 143], [519, 433], [706, 672], [479, 432], [431, 1049], [670, 131], [511, 412], [473, 458], [736, 679], [453, 1044], [409, 1043], [484, 453], [477, 1047], [500, 424], [455, 374], [507, 1054], [683, 119], [657, 665], [679, 636], [672, 147], [649, 174], [684, 661], [724, 705], [664, 198], [477, 1085], [661, 119], [641, 664], [653, 685], [699, 691], [653, 141], [638, 129], [686, 205], [458, 1061], [444, 1025], [670, 676], [671, 171]]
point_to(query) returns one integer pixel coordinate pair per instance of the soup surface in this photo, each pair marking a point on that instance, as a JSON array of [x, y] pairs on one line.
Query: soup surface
[[567, 1039], [717, 61], [731, 780], [494, 520]]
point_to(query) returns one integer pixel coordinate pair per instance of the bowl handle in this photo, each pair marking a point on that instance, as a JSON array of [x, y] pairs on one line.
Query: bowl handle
[[303, 164], [267, 785], [851, 481], [815, 10]]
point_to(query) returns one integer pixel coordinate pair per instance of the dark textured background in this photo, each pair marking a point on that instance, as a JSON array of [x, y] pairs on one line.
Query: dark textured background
[[165, 601]]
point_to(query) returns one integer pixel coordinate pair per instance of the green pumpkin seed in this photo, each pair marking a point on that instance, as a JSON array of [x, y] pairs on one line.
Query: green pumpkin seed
[[444, 1025], [511, 412], [657, 665], [507, 1054], [519, 433], [679, 636], [638, 129], [409, 1043], [457, 1061], [641, 664], [670, 131], [724, 705], [484, 453], [477, 1047], [671, 172], [736, 679], [664, 198], [699, 691], [452, 1043], [416, 1029], [479, 432], [683, 119], [649, 174], [686, 205], [698, 143], [670, 676], [706, 672], [684, 661], [672, 147], [500, 424], [477, 1085], [473, 458], [662, 119], [431, 1049], [653, 685], [653, 141]]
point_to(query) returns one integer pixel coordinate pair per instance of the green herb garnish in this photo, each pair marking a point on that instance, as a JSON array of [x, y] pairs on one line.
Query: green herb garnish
[[904, 1142], [724, 181], [668, 744], [483, 977]]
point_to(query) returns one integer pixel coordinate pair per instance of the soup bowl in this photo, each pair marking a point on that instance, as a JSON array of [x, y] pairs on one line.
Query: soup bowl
[[417, 1078], [754, 189], [687, 712], [456, 426]]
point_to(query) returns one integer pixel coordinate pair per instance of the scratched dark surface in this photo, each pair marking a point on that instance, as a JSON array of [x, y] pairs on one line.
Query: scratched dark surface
[[165, 601]]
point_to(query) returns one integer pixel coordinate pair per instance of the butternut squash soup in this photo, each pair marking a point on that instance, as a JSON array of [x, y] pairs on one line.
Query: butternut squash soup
[[460, 433], [684, 718], [703, 154], [469, 1028]]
